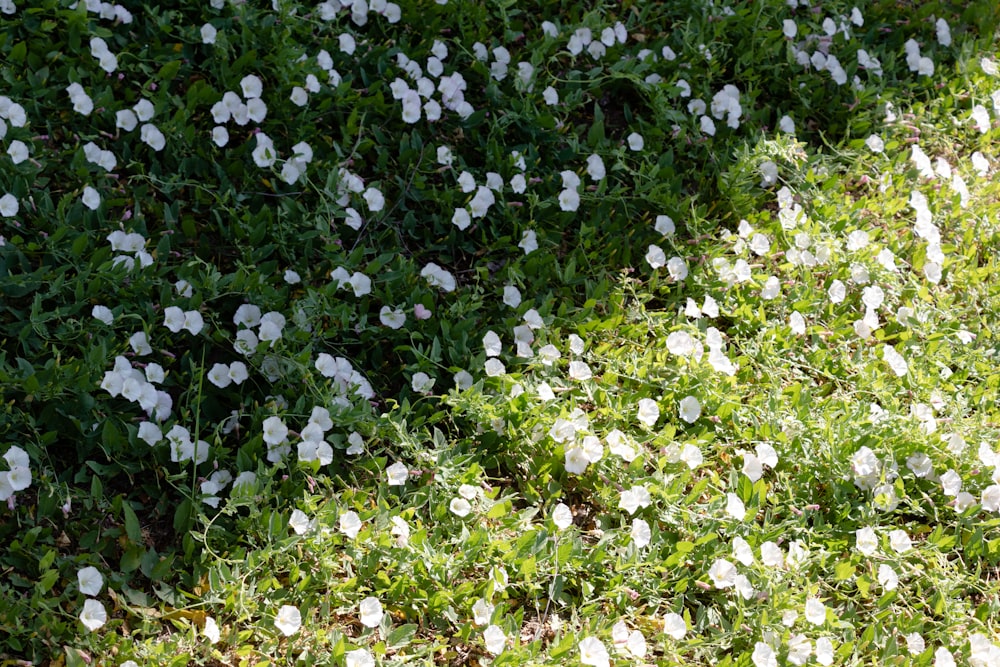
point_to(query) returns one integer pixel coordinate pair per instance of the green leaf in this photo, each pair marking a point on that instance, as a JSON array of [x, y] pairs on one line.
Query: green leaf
[[74, 658], [18, 53], [498, 510], [596, 134], [132, 527], [843, 570], [401, 636], [182, 516]]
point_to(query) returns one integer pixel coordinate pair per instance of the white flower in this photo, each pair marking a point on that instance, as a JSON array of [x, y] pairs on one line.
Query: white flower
[[799, 649], [150, 433], [397, 474], [152, 137], [421, 382], [460, 507], [771, 555], [511, 296], [634, 498], [9, 206], [579, 370], [495, 368], [392, 318], [875, 143], [742, 551], [915, 644], [18, 151], [735, 507], [93, 615], [482, 611], [569, 200], [635, 141], [837, 291], [140, 344], [690, 409], [991, 498], [275, 430], [943, 658], [371, 612], [252, 86], [764, 656], [865, 540], [562, 516], [359, 658], [815, 611], [495, 639], [529, 241], [299, 522], [211, 631], [649, 411], [576, 461], [438, 277], [593, 652], [91, 198], [288, 620], [887, 577], [895, 360], [655, 257], [677, 268], [90, 580], [219, 376], [463, 380], [374, 199], [674, 626], [350, 524], [208, 34], [900, 541], [619, 445], [722, 573], [824, 651], [595, 167], [641, 533], [102, 313], [691, 455]]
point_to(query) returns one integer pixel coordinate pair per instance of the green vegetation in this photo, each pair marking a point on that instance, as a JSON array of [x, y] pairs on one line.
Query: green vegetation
[[486, 333]]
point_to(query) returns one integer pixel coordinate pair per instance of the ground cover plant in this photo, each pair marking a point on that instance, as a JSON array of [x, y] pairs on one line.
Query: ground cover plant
[[365, 333]]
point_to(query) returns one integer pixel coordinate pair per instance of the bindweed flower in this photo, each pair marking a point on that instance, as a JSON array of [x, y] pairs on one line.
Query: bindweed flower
[[359, 658], [690, 409], [300, 523], [642, 535], [562, 516], [722, 573], [593, 652], [93, 615], [397, 474], [495, 639], [392, 318], [371, 612], [815, 611], [288, 620], [211, 630], [655, 257], [90, 581], [735, 507], [9, 206], [648, 412], [460, 507], [764, 656], [350, 524]]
